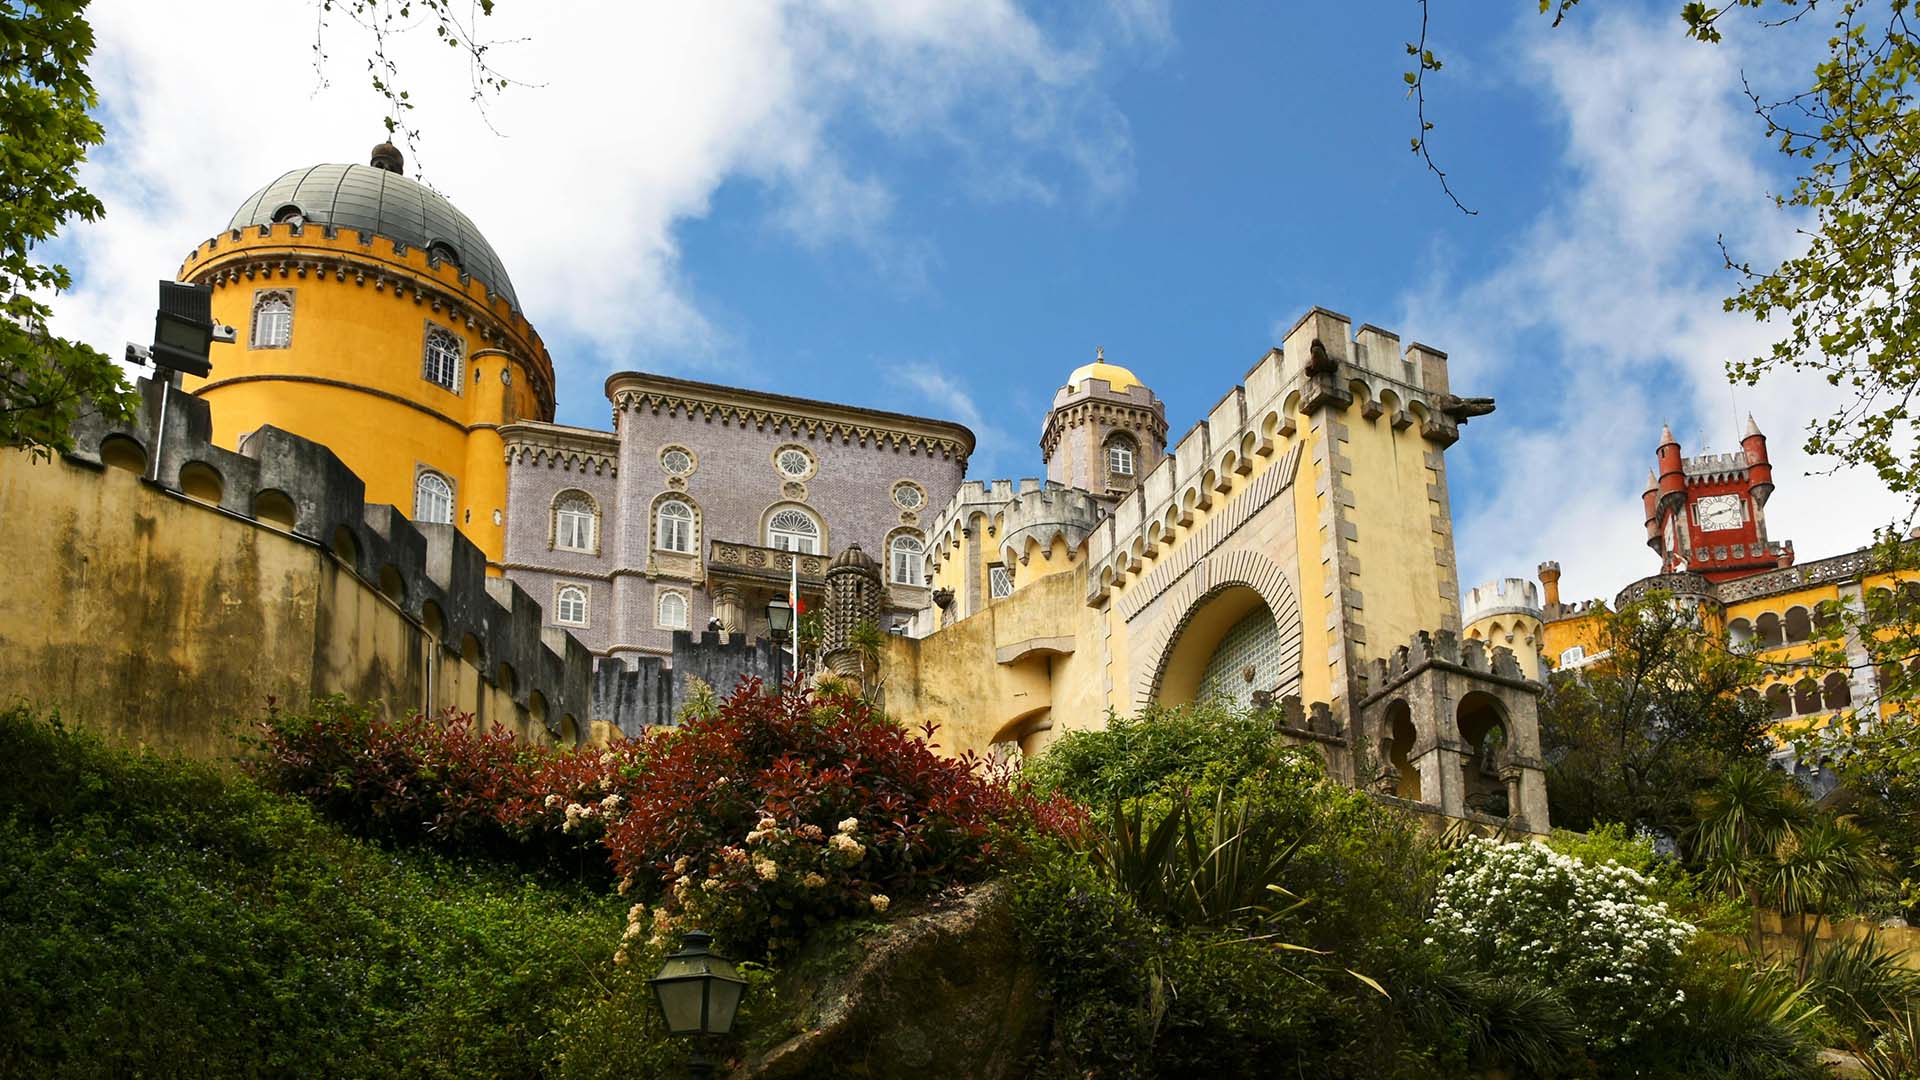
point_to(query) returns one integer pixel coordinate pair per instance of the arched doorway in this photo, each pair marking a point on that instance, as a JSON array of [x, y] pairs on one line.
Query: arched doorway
[[1229, 648], [1398, 749], [1483, 727]]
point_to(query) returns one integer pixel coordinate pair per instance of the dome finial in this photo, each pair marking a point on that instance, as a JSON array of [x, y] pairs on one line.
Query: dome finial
[[1099, 353], [387, 156]]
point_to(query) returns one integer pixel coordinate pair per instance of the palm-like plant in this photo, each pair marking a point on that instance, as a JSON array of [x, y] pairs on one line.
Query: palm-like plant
[[1895, 1054], [1218, 869], [1758, 837]]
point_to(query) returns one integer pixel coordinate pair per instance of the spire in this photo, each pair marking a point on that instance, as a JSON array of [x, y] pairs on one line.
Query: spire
[[1752, 428], [1653, 481], [1666, 435]]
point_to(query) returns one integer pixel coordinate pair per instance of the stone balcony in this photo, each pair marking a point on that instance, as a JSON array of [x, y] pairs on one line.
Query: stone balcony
[[755, 563]]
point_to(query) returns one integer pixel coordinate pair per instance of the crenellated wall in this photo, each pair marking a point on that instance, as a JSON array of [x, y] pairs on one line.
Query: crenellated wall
[[163, 599]]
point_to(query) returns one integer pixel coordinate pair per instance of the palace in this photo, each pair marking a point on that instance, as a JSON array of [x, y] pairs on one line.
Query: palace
[[1706, 522], [372, 490]]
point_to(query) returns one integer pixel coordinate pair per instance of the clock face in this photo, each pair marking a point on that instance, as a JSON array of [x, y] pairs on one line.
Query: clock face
[[1718, 512]]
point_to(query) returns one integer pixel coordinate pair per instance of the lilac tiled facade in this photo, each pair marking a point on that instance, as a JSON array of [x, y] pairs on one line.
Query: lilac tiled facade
[[733, 460]]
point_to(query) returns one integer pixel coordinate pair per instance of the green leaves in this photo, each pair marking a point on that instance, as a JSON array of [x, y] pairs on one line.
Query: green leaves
[[46, 129]]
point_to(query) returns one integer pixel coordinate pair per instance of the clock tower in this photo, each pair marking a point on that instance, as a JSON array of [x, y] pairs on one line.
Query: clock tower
[[1707, 515]]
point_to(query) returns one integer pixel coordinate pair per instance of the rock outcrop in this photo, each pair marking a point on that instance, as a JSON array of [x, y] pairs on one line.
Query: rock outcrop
[[943, 993]]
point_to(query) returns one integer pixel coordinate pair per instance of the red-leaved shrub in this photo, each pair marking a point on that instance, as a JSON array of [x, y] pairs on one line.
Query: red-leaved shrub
[[773, 816]]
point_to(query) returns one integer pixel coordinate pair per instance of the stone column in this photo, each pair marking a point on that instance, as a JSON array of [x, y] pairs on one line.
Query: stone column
[[730, 609]]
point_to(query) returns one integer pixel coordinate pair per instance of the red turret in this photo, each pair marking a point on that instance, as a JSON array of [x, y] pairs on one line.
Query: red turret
[[1759, 470], [1647, 499], [1673, 476]]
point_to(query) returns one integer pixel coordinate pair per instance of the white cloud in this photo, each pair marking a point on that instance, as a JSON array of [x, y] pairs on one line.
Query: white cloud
[[1604, 320], [636, 114], [945, 395]]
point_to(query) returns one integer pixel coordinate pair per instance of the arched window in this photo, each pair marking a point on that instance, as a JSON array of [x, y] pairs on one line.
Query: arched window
[[575, 521], [1780, 701], [673, 527], [1739, 632], [794, 529], [443, 355], [908, 560], [1799, 625], [441, 251], [1766, 630], [1122, 456], [272, 320], [1835, 693], [673, 611], [433, 499], [570, 606], [1806, 696]]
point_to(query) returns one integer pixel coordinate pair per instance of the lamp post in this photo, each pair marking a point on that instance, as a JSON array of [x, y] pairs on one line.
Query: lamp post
[[699, 993], [779, 624]]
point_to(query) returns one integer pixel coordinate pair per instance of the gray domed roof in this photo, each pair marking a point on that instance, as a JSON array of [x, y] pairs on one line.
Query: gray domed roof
[[378, 201]]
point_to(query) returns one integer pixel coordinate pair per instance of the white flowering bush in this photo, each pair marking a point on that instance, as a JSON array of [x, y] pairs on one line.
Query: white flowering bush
[[1590, 931]]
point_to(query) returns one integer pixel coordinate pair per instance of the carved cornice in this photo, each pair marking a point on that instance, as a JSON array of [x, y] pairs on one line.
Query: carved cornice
[[569, 448], [636, 392], [1150, 420]]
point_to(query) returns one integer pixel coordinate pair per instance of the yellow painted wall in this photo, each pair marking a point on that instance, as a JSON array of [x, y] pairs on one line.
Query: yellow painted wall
[[164, 622], [353, 378], [1404, 588]]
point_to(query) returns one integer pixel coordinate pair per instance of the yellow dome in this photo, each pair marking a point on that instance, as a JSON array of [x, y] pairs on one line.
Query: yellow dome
[[1116, 376]]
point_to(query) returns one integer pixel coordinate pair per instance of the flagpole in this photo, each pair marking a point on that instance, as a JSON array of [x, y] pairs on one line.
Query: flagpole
[[793, 600]]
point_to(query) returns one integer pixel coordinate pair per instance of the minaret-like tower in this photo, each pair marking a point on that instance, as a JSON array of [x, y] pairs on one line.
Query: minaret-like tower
[[1105, 432]]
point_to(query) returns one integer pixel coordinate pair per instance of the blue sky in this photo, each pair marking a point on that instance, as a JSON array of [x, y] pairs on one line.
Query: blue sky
[[943, 208]]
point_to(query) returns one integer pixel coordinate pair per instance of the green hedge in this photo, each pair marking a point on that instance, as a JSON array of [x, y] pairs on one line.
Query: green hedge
[[166, 918]]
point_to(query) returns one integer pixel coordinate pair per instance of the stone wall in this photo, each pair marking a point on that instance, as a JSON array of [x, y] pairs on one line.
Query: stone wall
[[163, 609], [644, 692]]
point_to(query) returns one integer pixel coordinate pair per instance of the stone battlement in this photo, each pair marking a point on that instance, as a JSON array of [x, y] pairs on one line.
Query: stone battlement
[[1014, 512], [1714, 468], [434, 575], [1321, 363], [1511, 596]]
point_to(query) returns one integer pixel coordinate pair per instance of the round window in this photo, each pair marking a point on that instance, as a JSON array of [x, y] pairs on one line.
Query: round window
[[793, 462], [677, 461], [908, 496]]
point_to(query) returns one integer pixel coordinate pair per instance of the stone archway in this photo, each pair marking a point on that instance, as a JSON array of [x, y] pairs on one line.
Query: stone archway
[[1212, 601]]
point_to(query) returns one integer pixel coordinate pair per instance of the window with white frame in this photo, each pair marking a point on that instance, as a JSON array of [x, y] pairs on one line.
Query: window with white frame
[[908, 495], [272, 320], [1572, 655], [909, 560], [443, 356], [999, 581], [673, 527], [794, 529], [1120, 457], [570, 605], [574, 517], [433, 499], [672, 611]]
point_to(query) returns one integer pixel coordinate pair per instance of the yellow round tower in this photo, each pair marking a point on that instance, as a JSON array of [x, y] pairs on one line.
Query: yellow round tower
[[374, 318]]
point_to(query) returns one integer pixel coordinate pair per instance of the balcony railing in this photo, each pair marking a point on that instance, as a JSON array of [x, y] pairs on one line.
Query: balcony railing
[[769, 564]]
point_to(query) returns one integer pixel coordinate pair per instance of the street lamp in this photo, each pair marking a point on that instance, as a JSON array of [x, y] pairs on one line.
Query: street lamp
[[779, 622], [699, 993]]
